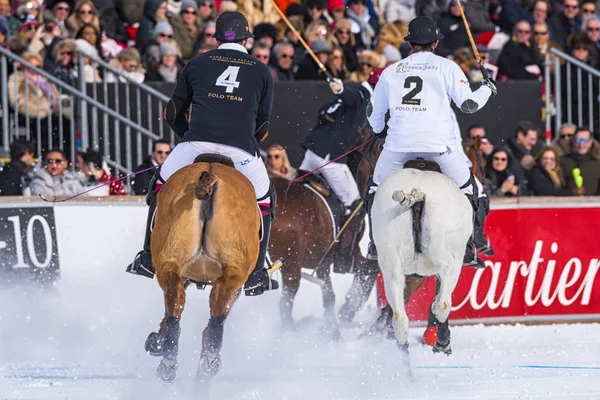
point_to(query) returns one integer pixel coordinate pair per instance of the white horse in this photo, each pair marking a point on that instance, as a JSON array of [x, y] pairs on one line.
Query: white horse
[[428, 241]]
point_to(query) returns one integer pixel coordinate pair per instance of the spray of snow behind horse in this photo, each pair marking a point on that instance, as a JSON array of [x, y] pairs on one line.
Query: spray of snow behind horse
[[427, 243]]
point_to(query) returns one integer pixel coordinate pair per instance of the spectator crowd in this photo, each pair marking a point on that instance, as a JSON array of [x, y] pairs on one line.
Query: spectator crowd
[[151, 40]]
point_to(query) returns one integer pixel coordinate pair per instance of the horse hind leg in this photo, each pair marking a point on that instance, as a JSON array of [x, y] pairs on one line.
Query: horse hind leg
[[165, 342], [225, 291], [394, 291], [291, 276], [331, 327], [441, 307]]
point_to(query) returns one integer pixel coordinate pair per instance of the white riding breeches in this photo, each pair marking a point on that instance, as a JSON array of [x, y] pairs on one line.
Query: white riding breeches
[[452, 164], [249, 165], [337, 175]]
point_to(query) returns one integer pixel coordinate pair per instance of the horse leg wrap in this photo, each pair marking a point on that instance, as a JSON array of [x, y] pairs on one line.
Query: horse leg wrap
[[171, 332], [213, 335]]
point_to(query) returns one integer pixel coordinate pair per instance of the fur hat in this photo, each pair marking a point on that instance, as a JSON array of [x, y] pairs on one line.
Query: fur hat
[[167, 48], [185, 4], [162, 27], [84, 46], [372, 58]]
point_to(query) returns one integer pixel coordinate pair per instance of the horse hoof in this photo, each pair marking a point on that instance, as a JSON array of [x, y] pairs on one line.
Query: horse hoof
[[440, 348], [210, 364], [155, 344], [166, 372]]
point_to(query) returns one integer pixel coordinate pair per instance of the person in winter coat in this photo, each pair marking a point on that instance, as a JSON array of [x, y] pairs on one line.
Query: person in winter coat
[[28, 38], [111, 22], [399, 10], [90, 69], [364, 23], [92, 36], [452, 27], [65, 58], [368, 62], [512, 12], [54, 179], [500, 180], [85, 13], [278, 164], [347, 42], [543, 44], [519, 58], [155, 11], [478, 15], [546, 177], [131, 11], [283, 67], [163, 33], [129, 63], [186, 28], [565, 23], [59, 11], [14, 177], [308, 70], [160, 151], [337, 64], [168, 71], [585, 155]]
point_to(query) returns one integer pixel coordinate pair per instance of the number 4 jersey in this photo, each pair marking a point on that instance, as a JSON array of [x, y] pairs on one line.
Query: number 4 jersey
[[417, 92], [231, 94]]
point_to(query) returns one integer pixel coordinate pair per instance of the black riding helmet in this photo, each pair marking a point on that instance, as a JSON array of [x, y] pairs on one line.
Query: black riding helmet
[[423, 30], [232, 27]]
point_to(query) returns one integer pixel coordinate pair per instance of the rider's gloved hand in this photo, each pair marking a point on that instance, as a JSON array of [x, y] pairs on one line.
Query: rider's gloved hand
[[489, 82], [336, 85]]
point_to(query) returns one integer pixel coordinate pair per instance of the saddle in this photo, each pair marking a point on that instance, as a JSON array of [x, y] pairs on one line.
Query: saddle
[[316, 182], [214, 158]]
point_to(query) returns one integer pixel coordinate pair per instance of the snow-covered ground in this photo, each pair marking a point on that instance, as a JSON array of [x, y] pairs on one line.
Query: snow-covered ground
[[84, 340]]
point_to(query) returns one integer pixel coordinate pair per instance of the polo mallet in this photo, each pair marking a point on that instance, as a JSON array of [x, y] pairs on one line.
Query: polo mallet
[[350, 218], [484, 71], [304, 44]]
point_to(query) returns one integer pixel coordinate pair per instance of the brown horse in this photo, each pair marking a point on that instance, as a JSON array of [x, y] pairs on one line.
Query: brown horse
[[302, 233], [206, 232]]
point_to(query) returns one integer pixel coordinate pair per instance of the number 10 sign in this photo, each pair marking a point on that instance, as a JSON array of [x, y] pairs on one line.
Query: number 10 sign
[[28, 242]]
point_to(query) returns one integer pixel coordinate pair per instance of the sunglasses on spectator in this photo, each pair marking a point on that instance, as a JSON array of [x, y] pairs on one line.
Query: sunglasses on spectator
[[273, 156], [206, 5], [161, 152], [54, 161], [313, 7], [500, 159], [548, 159], [588, 11], [523, 31], [539, 33], [290, 56], [580, 140], [343, 32], [66, 53], [262, 56], [192, 12], [62, 8], [581, 48], [367, 65], [30, 28], [90, 12], [591, 29], [568, 136], [571, 7], [165, 35]]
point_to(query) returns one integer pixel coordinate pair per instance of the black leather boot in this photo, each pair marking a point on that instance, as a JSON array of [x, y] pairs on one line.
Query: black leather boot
[[471, 258], [482, 242], [142, 263], [259, 280]]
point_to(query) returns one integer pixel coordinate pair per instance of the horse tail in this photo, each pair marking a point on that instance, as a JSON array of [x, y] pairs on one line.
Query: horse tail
[[205, 186], [204, 191], [415, 201]]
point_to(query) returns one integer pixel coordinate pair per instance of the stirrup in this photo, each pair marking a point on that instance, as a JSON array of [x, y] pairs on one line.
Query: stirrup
[[471, 259], [372, 252], [259, 282], [142, 265]]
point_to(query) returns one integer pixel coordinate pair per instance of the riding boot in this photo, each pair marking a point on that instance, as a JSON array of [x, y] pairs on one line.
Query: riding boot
[[482, 241], [372, 250], [142, 263], [471, 258], [344, 260], [259, 280]]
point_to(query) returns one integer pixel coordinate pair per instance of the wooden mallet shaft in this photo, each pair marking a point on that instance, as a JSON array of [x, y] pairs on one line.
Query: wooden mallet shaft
[[473, 46], [304, 44]]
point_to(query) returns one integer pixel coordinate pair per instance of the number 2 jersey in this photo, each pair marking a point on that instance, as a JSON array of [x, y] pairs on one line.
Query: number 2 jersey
[[417, 92], [231, 94]]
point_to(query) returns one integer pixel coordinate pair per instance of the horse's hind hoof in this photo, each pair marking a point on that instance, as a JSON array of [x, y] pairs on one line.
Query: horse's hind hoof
[[210, 364], [439, 348], [155, 344], [166, 372]]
